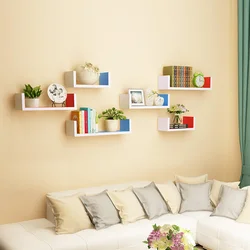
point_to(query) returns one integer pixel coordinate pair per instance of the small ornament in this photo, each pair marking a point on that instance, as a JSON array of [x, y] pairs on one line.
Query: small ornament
[[198, 80]]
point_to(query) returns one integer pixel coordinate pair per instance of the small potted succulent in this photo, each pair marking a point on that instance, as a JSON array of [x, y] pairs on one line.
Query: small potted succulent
[[32, 95], [87, 74], [112, 117]]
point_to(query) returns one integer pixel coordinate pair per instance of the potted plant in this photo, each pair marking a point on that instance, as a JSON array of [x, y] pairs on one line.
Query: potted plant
[[177, 110], [32, 95], [112, 117], [87, 74]]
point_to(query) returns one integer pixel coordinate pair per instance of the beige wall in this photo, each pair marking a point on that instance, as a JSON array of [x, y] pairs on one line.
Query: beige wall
[[133, 39]]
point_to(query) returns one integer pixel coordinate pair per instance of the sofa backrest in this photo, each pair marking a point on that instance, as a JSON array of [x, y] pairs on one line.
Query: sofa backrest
[[91, 191]]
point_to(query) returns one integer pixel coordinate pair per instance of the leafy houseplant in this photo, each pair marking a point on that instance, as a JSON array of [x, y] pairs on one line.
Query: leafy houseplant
[[32, 95], [112, 117], [87, 73], [177, 110]]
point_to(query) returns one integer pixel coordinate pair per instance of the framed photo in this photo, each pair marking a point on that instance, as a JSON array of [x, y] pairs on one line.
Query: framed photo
[[136, 97]]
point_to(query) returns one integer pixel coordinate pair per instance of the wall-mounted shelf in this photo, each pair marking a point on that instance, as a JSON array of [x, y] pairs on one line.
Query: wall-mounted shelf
[[71, 129], [70, 81], [164, 84], [125, 104], [70, 104], [164, 124]]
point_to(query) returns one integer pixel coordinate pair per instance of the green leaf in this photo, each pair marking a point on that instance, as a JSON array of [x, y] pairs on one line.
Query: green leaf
[[175, 227]]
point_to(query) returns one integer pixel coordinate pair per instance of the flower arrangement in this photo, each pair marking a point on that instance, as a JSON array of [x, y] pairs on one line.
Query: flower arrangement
[[90, 67], [177, 110], [170, 237]]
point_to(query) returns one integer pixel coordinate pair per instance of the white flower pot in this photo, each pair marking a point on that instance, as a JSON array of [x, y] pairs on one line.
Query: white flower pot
[[159, 101], [85, 76], [112, 125], [31, 103]]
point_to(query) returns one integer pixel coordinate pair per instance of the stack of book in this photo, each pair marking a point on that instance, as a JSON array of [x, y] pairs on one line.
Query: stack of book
[[180, 76], [86, 120], [176, 126]]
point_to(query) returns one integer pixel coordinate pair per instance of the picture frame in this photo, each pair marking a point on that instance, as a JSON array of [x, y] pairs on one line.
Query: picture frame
[[136, 97]]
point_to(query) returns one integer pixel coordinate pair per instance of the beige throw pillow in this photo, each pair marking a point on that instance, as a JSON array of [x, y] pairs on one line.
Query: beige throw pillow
[[171, 195], [215, 192], [245, 214], [191, 180], [69, 213], [125, 201]]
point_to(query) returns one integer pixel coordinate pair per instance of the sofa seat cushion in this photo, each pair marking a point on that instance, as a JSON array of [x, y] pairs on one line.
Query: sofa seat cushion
[[40, 235], [220, 233]]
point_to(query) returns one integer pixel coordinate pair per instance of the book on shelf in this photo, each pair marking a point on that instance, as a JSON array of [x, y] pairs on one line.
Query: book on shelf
[[178, 126], [76, 116], [88, 111], [180, 76]]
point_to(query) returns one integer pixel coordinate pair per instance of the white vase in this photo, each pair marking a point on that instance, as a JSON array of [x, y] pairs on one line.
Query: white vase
[[31, 103], [112, 125], [159, 101], [85, 76], [150, 100]]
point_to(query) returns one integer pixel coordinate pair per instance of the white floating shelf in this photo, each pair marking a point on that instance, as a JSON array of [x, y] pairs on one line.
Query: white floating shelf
[[125, 104], [71, 129], [70, 81], [164, 124], [20, 104], [164, 84]]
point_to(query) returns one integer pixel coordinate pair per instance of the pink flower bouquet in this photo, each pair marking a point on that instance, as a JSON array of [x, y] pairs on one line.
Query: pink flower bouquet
[[170, 237]]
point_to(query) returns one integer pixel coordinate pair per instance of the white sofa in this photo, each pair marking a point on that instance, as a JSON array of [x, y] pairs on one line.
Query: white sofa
[[215, 233]]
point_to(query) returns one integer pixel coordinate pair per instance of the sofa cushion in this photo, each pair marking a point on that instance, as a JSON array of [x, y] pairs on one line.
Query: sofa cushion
[[70, 214], [171, 195], [195, 197], [231, 202], [101, 210], [215, 192], [125, 201], [191, 179], [151, 200], [244, 217], [221, 233], [91, 191]]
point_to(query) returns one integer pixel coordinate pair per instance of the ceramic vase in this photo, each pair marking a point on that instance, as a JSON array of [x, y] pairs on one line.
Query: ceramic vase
[[87, 77], [112, 125], [159, 101], [150, 100], [32, 103]]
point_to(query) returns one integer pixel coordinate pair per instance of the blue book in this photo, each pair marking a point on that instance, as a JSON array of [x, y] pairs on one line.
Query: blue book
[[89, 117]]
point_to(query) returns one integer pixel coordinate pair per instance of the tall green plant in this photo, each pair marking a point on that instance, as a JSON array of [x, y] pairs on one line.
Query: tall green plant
[[31, 92], [112, 114]]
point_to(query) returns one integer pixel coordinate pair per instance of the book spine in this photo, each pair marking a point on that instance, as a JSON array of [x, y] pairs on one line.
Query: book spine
[[82, 121], [76, 116]]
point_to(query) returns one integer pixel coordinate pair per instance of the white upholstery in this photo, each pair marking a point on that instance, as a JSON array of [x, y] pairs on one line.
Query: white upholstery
[[39, 235], [220, 233]]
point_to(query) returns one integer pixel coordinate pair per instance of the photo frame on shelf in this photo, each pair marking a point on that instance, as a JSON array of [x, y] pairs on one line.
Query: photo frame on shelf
[[136, 97]]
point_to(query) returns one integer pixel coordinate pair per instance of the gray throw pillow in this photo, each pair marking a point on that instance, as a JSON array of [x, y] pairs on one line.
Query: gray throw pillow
[[231, 202], [151, 201], [195, 197], [101, 210]]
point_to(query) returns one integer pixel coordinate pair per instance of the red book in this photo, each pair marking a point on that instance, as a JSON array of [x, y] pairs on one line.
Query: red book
[[85, 121]]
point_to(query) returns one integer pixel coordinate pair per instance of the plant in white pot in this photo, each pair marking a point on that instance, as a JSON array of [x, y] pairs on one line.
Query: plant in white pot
[[87, 74], [32, 95], [112, 117]]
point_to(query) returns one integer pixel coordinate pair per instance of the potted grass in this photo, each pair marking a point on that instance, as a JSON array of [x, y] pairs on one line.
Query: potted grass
[[32, 95], [112, 117]]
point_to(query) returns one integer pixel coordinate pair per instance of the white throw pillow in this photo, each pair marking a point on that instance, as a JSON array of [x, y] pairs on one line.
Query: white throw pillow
[[215, 192], [129, 207], [171, 195], [245, 214], [191, 180]]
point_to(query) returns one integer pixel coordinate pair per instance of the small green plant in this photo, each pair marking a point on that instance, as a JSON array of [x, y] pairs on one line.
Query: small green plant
[[31, 92], [112, 114]]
